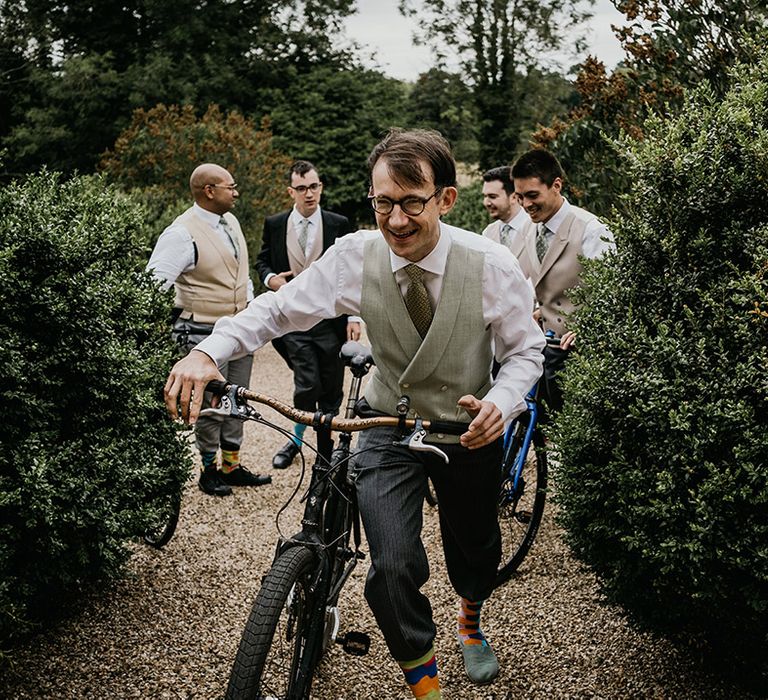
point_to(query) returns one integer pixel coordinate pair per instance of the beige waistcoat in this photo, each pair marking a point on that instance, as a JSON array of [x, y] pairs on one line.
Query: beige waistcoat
[[559, 271], [218, 284], [453, 359]]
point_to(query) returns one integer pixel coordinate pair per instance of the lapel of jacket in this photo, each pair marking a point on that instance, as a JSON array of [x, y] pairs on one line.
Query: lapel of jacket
[[329, 230], [279, 243], [557, 246]]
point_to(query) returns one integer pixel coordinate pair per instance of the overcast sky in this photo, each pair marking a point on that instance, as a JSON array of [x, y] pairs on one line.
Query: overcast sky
[[380, 27]]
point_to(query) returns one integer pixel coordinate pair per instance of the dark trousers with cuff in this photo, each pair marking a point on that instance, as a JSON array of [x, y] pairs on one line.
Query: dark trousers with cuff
[[391, 483]]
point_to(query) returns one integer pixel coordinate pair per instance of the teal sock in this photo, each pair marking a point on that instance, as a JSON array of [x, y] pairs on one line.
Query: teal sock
[[298, 433], [209, 460]]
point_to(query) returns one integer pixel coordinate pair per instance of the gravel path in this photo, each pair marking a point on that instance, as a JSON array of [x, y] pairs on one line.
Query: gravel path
[[171, 627]]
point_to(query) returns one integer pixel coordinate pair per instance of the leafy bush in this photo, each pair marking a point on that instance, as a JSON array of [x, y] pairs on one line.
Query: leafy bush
[[469, 212], [88, 452], [663, 478], [155, 156]]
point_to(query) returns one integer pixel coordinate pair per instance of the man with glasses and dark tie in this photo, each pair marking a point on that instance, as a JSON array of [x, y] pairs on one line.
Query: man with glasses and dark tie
[[203, 254], [439, 303], [291, 242], [556, 238]]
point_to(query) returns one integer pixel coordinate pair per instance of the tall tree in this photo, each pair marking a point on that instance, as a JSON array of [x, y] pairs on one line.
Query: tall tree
[[670, 45], [87, 64], [502, 47]]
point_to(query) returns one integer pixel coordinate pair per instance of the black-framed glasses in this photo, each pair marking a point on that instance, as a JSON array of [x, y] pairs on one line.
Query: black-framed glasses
[[302, 189], [223, 187], [410, 206]]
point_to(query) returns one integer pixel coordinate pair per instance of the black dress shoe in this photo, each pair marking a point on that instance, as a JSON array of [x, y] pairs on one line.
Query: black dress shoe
[[284, 456], [240, 476], [211, 483]]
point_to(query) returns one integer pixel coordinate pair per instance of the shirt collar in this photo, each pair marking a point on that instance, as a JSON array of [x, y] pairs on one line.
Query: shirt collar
[[559, 216], [208, 216], [519, 220], [433, 262], [297, 218]]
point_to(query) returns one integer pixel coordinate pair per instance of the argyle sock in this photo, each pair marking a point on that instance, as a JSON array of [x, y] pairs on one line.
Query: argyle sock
[[230, 459], [421, 676], [298, 433], [209, 460], [469, 622]]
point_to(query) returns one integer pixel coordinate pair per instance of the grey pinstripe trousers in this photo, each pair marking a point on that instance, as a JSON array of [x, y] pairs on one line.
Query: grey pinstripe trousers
[[391, 483]]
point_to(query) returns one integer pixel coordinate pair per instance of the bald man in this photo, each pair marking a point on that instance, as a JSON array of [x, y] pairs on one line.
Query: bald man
[[204, 255]]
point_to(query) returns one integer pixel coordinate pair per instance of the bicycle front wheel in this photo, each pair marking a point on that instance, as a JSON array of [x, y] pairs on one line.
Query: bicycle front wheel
[[275, 656], [521, 505]]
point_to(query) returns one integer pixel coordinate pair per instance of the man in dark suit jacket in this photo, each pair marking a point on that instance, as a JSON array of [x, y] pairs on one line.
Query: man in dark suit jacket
[[292, 241]]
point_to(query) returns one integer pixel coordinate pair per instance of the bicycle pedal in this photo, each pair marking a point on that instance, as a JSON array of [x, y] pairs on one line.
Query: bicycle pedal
[[523, 516], [355, 643]]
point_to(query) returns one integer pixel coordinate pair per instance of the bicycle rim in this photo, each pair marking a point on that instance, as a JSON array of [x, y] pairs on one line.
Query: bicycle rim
[[160, 533], [520, 510], [275, 658]]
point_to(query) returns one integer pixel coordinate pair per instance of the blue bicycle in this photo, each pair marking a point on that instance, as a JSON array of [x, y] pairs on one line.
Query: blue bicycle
[[524, 483]]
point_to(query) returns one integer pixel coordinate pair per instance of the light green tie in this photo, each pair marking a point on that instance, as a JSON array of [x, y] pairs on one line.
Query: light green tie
[[303, 233], [417, 300], [232, 237]]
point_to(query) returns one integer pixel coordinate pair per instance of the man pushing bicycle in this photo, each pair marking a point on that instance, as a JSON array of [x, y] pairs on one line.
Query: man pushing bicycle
[[439, 303]]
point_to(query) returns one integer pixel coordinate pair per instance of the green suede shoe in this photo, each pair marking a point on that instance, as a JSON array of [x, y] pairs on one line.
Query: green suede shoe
[[480, 662]]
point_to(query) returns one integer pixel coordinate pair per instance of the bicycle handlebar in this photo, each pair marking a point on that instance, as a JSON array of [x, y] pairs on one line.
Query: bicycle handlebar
[[219, 388]]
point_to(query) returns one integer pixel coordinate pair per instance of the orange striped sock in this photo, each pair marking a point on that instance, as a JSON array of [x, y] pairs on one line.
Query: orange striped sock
[[421, 676], [230, 459], [469, 622]]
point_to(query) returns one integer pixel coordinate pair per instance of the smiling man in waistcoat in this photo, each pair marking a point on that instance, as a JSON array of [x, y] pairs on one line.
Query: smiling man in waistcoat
[[204, 255], [439, 303], [557, 236]]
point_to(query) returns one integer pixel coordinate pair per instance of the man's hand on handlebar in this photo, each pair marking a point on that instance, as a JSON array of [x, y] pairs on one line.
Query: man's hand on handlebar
[[486, 426], [567, 340], [186, 385]]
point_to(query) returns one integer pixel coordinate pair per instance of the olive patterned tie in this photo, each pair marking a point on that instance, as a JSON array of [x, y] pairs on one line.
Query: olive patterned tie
[[505, 236], [542, 244], [303, 233], [417, 300]]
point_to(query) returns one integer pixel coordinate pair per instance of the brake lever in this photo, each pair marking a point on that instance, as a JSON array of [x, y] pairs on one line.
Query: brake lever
[[229, 407], [415, 441]]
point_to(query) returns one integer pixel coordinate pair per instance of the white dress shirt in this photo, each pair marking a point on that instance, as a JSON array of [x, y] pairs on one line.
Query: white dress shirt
[[174, 252], [517, 224], [597, 238], [332, 286]]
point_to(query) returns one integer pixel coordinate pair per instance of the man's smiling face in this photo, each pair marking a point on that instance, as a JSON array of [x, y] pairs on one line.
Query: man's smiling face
[[411, 236]]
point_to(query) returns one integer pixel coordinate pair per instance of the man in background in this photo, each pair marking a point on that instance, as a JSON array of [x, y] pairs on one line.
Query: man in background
[[204, 255], [500, 200], [555, 239], [292, 241]]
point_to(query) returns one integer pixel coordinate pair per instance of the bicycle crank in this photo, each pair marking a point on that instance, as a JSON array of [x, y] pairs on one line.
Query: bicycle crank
[[355, 643]]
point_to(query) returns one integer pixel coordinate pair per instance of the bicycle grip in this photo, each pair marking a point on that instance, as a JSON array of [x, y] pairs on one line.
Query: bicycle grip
[[449, 427], [217, 387]]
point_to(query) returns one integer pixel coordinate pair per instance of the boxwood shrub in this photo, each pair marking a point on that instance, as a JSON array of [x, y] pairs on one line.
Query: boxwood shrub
[[88, 453], [663, 443]]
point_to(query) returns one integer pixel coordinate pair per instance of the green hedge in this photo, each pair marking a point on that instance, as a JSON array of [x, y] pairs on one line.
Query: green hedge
[[663, 480], [88, 452]]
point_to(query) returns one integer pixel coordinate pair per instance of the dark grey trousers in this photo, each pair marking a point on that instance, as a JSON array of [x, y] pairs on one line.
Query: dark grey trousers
[[212, 432], [391, 483]]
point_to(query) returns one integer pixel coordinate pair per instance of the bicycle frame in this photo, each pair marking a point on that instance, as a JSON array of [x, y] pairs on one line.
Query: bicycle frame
[[531, 416]]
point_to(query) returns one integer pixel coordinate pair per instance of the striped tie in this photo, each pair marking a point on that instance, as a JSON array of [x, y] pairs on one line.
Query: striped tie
[[417, 300]]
